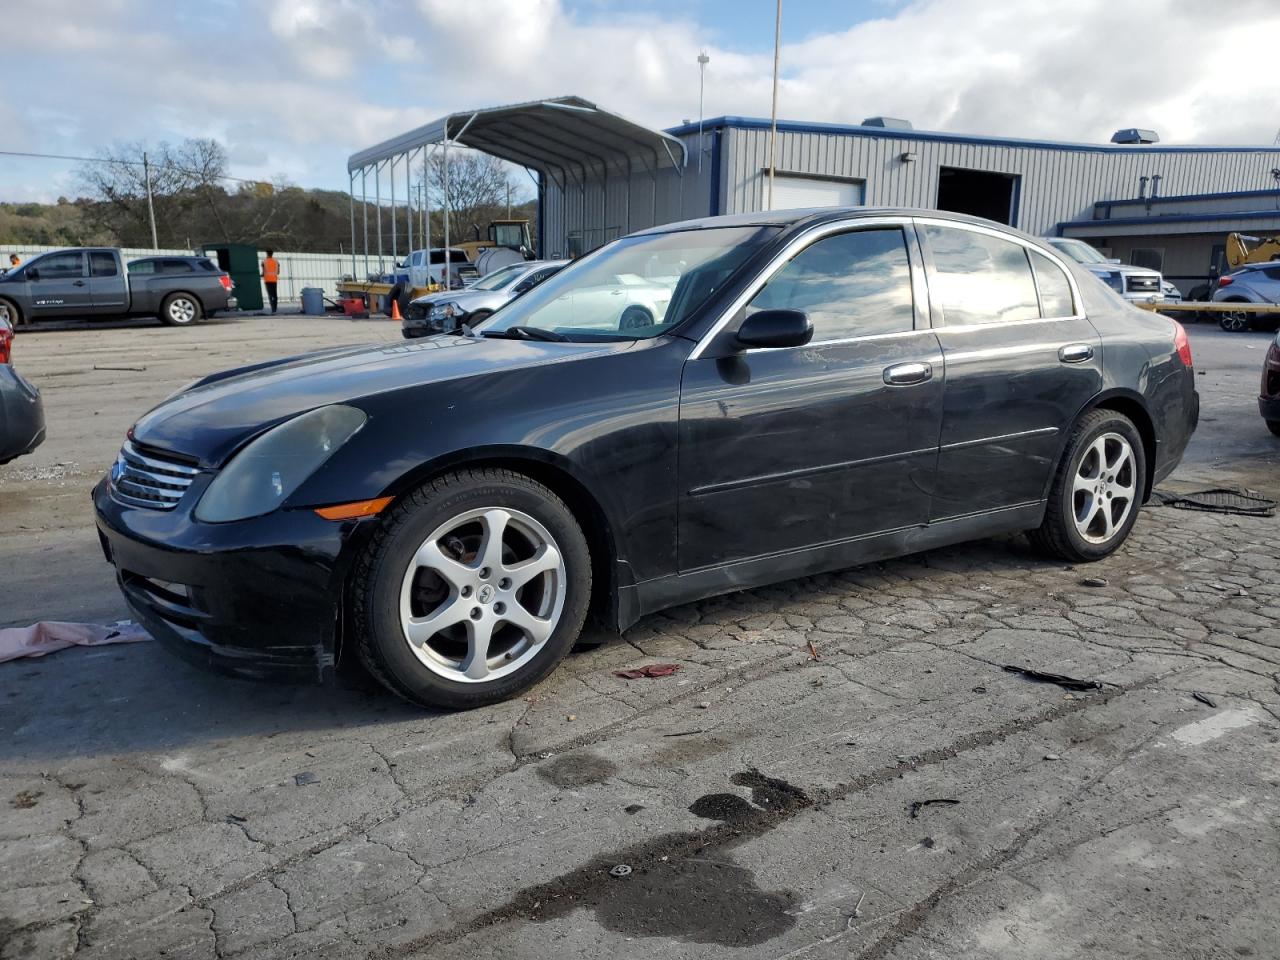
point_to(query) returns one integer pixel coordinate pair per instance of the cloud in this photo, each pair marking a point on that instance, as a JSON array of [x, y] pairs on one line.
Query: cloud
[[296, 87]]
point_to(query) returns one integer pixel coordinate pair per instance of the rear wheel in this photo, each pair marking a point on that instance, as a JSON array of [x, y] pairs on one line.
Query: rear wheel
[[9, 312], [474, 588], [633, 318], [1234, 322], [1097, 489], [180, 309]]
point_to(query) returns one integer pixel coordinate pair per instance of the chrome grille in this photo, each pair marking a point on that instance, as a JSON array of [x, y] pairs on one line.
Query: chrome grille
[[1138, 283], [151, 479]]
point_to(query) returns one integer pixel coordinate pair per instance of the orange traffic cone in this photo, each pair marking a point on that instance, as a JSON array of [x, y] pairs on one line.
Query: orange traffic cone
[[395, 309]]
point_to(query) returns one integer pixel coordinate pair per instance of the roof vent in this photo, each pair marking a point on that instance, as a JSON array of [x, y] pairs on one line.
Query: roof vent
[[1135, 135], [892, 123]]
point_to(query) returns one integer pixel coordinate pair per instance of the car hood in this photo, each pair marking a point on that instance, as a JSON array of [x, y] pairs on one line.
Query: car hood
[[1124, 269], [467, 299], [214, 418]]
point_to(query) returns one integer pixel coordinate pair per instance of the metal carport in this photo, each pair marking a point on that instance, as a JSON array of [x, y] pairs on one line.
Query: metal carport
[[565, 140]]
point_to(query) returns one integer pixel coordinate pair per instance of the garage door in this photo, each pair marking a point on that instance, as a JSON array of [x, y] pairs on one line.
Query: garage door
[[791, 193]]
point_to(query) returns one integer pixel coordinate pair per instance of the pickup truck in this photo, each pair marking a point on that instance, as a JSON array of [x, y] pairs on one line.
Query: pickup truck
[[95, 282]]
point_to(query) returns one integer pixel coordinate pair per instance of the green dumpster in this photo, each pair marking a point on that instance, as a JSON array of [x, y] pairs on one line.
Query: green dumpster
[[241, 261]]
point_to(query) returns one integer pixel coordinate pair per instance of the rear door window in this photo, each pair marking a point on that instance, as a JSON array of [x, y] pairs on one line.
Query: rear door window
[[855, 284], [102, 264], [978, 278], [1055, 290]]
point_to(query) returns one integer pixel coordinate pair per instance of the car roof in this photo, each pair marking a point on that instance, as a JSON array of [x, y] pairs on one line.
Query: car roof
[[809, 216]]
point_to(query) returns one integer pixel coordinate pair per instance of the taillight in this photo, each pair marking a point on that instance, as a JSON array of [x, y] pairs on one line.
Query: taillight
[[1226, 281], [6, 344], [1181, 344], [225, 280]]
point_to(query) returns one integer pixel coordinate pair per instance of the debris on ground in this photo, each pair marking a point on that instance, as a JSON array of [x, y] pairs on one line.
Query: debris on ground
[[633, 808], [50, 636], [653, 670], [1204, 698], [621, 870], [918, 805], [25, 799], [1093, 582], [235, 818], [571, 717], [979, 689], [1067, 683], [121, 369], [1244, 503], [1052, 756], [685, 733], [305, 778], [813, 652], [705, 705], [928, 843]]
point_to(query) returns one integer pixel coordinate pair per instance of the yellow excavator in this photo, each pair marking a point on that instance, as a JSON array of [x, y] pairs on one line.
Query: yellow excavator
[[508, 242], [1242, 249]]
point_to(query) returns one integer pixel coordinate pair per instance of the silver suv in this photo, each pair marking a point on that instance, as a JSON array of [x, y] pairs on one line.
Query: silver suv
[[1251, 283], [1140, 284], [445, 311]]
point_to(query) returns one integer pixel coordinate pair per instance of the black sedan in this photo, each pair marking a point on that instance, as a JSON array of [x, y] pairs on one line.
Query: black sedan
[[21, 409], [806, 391]]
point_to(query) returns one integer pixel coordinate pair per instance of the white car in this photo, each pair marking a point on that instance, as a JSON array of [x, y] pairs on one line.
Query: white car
[[617, 302], [1140, 284]]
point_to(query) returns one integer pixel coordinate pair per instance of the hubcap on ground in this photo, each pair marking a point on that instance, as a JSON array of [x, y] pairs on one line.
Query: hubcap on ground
[[1104, 489], [482, 595]]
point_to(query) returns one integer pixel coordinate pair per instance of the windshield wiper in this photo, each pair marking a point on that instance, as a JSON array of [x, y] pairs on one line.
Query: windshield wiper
[[527, 333]]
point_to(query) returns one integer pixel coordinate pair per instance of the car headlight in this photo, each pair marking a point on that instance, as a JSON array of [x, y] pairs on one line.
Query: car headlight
[[261, 476], [442, 311]]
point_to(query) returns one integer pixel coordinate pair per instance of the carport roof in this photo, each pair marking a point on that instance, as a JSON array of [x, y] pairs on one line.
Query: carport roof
[[561, 133]]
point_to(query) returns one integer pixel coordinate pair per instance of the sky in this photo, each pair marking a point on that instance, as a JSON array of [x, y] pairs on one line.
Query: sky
[[293, 87]]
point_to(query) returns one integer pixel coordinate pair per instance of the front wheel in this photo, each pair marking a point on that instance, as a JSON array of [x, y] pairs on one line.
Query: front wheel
[[1096, 491], [474, 588], [180, 309]]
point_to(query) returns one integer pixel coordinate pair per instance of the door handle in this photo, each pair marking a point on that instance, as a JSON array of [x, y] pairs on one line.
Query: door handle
[[1075, 353], [904, 374], [78, 283]]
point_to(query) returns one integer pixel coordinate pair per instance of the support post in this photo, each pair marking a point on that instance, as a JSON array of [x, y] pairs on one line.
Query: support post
[[351, 192], [773, 116], [364, 209], [446, 206], [377, 199], [391, 176], [151, 209]]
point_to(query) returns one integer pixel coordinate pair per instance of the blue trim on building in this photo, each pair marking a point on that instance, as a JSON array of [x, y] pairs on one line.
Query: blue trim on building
[[794, 126], [1171, 218], [716, 136], [1229, 195]]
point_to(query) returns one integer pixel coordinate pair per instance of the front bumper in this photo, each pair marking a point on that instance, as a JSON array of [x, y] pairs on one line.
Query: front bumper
[[257, 598], [1269, 407]]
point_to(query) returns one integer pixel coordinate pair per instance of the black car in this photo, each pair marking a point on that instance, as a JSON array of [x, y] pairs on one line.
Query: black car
[[21, 409], [1269, 395], [808, 391]]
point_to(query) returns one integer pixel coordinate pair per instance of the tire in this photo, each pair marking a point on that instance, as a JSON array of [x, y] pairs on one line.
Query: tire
[[1234, 322], [428, 561], [180, 310], [10, 312], [1274, 427], [1074, 528]]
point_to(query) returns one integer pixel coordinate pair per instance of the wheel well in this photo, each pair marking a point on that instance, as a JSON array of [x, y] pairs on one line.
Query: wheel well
[[1142, 420], [585, 508]]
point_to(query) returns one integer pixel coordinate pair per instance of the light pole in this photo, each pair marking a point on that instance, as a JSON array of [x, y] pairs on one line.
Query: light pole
[[703, 60], [773, 116]]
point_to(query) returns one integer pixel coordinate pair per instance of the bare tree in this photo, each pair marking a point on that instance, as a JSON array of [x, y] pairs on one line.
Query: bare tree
[[182, 178], [479, 186]]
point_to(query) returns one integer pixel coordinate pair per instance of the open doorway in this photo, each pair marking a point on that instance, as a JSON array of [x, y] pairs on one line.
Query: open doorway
[[979, 193]]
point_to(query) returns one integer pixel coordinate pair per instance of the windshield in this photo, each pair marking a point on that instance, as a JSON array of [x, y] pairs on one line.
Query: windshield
[[1079, 251], [499, 278], [636, 287]]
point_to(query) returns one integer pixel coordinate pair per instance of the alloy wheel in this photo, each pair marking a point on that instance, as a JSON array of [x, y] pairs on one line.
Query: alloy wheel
[[1105, 488], [182, 310], [482, 595], [1234, 322]]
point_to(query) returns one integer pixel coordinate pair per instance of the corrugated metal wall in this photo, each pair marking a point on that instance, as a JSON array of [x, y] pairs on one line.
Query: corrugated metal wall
[[1056, 184]]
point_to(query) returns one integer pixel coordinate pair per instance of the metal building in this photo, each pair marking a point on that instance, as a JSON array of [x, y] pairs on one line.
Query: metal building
[[595, 186]]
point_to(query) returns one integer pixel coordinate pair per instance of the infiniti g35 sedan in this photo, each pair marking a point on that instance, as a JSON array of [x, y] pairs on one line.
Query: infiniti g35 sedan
[[813, 390]]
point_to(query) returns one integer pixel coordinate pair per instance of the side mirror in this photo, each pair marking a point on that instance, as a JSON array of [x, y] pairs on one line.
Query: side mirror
[[775, 328], [33, 273]]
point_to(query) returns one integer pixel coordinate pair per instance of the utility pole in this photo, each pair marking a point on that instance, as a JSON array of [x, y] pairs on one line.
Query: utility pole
[[773, 116], [703, 60], [151, 208], [508, 200]]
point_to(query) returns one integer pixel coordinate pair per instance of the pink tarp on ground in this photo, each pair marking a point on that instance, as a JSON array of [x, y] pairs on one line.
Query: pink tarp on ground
[[49, 636]]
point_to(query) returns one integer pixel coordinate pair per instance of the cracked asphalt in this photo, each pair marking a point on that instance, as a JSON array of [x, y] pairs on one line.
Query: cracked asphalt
[[764, 798]]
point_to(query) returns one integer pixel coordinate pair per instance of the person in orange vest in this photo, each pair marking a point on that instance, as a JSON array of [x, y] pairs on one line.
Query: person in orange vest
[[14, 261], [271, 277]]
